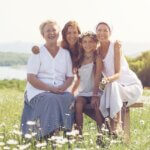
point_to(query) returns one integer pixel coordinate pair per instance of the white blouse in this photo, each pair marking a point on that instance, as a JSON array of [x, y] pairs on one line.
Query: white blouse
[[50, 70]]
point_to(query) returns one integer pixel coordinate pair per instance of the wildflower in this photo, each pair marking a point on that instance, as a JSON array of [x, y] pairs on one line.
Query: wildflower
[[16, 126], [62, 141], [91, 141], [104, 81], [142, 122], [113, 141], [39, 145], [2, 125], [2, 144], [73, 133], [28, 136], [24, 147], [6, 148], [31, 123], [72, 141], [1, 137], [12, 142], [107, 139], [59, 140], [33, 134], [17, 132], [135, 131], [92, 128]]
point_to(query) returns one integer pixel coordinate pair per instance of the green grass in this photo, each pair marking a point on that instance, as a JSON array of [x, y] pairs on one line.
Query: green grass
[[11, 103], [146, 91]]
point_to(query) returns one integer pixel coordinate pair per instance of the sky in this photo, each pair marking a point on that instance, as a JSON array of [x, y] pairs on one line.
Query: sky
[[20, 19]]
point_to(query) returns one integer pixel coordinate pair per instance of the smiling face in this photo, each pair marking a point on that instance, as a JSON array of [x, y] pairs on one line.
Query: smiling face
[[51, 32], [72, 36], [103, 32], [88, 44]]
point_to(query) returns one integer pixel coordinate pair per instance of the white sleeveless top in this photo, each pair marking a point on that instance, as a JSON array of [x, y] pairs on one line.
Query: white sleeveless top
[[127, 76], [86, 75]]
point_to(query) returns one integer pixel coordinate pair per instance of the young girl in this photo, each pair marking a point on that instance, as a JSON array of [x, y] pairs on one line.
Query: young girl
[[88, 78]]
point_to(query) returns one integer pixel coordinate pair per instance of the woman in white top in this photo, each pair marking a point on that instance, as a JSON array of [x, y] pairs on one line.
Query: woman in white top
[[122, 83], [49, 74], [88, 72]]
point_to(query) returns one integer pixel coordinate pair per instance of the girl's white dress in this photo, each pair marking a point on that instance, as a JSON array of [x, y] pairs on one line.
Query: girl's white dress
[[86, 75], [127, 88]]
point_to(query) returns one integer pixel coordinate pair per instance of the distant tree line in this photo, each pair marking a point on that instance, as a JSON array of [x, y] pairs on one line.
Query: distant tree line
[[141, 66], [13, 59]]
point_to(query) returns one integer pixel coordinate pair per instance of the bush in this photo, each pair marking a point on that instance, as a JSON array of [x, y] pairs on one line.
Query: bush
[[141, 66]]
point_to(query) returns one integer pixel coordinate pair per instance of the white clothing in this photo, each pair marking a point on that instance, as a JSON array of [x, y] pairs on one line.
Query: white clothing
[[127, 88], [50, 70], [127, 76], [86, 84]]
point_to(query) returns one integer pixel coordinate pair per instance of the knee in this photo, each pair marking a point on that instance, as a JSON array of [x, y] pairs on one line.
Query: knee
[[79, 106], [96, 109]]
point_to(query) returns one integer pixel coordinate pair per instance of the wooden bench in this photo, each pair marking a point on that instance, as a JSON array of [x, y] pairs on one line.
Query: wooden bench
[[125, 117]]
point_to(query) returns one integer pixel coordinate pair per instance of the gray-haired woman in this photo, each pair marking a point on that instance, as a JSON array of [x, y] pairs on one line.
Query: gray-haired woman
[[49, 74]]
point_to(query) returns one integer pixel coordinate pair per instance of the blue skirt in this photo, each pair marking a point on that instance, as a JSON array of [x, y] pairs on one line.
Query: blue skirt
[[49, 112]]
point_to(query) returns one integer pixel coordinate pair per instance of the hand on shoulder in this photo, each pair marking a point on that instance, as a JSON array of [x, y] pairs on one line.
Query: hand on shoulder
[[117, 45], [35, 50]]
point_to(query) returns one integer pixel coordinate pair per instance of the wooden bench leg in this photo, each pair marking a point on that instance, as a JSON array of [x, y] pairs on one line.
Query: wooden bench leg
[[126, 123]]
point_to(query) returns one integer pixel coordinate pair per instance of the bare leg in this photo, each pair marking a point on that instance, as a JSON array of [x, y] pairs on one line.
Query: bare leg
[[79, 106], [116, 122], [98, 116]]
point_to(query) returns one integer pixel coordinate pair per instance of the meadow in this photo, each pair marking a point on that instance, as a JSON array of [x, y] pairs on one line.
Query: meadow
[[11, 104]]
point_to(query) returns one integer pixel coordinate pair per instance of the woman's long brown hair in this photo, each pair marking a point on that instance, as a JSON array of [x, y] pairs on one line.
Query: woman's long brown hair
[[74, 53]]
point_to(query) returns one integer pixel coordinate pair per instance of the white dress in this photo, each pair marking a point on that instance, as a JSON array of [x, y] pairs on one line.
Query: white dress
[[127, 88], [86, 75]]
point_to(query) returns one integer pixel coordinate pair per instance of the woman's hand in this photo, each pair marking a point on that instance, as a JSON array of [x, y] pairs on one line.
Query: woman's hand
[[117, 45], [105, 80], [62, 88], [35, 49], [55, 90], [95, 101]]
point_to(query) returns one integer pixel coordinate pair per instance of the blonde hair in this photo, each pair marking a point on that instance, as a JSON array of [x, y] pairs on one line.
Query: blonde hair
[[42, 26]]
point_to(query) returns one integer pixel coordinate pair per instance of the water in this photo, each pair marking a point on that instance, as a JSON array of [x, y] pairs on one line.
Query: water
[[12, 73]]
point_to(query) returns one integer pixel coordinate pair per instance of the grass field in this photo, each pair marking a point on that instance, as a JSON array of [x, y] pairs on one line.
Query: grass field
[[11, 103]]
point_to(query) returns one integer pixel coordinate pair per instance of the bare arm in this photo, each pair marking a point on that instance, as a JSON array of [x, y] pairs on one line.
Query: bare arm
[[97, 76], [35, 82], [66, 84], [75, 85], [117, 63]]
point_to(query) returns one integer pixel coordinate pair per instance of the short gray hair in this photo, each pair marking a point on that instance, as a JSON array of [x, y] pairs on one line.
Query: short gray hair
[[47, 22]]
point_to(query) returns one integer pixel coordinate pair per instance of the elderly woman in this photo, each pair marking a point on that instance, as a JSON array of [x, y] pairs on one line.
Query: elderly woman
[[49, 74]]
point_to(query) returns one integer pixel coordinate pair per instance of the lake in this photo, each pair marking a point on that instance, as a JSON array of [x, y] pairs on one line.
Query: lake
[[12, 73]]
